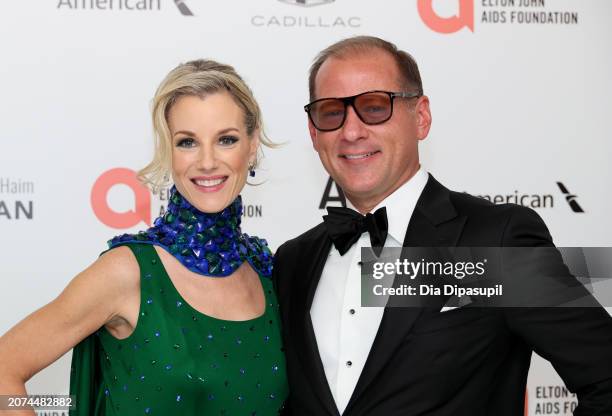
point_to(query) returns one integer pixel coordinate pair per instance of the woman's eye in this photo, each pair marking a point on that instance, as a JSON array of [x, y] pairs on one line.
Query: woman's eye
[[227, 140], [185, 142]]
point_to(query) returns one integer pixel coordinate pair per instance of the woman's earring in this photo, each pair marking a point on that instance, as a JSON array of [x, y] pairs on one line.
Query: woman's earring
[[252, 169]]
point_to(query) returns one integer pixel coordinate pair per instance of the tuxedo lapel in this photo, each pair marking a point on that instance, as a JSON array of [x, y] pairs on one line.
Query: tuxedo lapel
[[434, 223], [313, 256]]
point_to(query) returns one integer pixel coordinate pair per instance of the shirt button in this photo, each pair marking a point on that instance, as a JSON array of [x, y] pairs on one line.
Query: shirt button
[[359, 263], [349, 363], [352, 311]]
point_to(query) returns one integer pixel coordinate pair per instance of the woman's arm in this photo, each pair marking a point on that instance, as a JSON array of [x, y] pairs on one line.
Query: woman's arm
[[108, 290]]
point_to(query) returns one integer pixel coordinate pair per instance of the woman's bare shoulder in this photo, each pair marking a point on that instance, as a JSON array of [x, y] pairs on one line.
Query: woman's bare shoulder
[[117, 267]]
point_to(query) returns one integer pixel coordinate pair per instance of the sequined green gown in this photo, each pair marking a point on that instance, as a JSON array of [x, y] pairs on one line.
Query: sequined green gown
[[180, 362]]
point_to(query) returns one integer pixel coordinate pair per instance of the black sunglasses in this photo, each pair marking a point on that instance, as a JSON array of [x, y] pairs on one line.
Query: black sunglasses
[[372, 107]]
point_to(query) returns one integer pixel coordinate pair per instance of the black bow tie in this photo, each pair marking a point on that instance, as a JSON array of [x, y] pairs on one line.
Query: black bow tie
[[345, 226]]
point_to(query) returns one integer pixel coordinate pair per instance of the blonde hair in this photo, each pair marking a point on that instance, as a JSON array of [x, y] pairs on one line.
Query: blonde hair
[[199, 78]]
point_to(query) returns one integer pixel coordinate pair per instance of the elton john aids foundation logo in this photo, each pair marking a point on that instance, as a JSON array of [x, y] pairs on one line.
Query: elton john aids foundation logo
[[112, 218], [451, 16], [452, 24]]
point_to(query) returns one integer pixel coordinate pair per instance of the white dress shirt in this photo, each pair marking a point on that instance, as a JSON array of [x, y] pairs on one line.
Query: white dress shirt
[[344, 330]]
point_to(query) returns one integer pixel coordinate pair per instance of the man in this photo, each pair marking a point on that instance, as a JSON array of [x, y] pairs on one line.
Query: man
[[366, 117]]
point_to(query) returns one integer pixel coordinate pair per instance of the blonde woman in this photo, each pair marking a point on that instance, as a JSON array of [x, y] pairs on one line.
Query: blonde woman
[[180, 318]]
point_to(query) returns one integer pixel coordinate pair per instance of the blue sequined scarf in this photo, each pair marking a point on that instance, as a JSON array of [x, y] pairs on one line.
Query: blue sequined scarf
[[207, 244]]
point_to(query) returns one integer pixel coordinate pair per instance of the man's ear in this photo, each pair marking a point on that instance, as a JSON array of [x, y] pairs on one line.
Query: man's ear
[[313, 135], [423, 117]]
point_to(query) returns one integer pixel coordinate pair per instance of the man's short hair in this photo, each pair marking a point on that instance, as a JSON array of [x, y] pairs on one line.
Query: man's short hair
[[408, 68]]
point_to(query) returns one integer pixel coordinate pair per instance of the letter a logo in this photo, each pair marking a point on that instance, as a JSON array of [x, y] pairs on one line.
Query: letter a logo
[[142, 209], [447, 24]]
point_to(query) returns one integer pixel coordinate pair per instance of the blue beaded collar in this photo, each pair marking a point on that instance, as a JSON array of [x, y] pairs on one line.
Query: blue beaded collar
[[207, 244]]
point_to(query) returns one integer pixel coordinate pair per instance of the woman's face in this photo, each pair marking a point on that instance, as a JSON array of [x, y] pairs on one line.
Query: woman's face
[[211, 150]]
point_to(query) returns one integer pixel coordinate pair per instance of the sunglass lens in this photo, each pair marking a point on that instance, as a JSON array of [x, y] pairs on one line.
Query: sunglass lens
[[374, 108], [327, 114]]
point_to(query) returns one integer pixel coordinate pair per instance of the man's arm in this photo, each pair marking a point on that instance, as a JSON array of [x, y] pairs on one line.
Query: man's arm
[[576, 340]]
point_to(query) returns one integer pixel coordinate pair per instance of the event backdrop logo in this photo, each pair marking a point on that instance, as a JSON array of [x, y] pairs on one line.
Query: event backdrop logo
[[336, 197], [307, 3], [552, 399], [535, 200], [493, 12], [123, 5], [451, 24], [306, 19], [108, 216], [328, 197], [16, 199], [570, 198], [147, 206], [183, 8]]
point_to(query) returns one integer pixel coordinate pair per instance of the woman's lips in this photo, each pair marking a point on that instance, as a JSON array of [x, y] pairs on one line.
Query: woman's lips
[[209, 184]]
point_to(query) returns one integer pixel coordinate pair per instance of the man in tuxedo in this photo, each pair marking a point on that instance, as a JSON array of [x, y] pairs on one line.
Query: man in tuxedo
[[366, 117]]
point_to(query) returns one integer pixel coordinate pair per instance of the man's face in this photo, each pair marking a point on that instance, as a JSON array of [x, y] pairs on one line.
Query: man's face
[[369, 162]]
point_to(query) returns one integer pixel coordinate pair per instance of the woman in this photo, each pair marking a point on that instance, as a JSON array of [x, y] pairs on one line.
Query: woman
[[181, 318]]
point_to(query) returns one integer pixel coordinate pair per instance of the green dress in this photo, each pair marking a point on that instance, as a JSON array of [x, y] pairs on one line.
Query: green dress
[[180, 362]]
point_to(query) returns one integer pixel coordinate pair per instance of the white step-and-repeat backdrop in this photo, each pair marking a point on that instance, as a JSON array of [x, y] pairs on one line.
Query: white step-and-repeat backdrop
[[520, 93]]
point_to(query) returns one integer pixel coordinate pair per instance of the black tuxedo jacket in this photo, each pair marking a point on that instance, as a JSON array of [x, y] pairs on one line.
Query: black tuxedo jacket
[[469, 361]]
